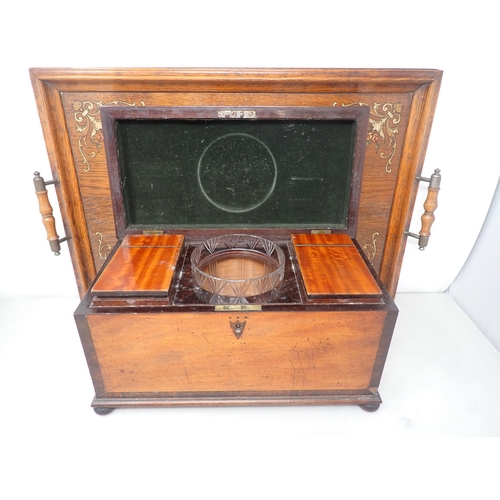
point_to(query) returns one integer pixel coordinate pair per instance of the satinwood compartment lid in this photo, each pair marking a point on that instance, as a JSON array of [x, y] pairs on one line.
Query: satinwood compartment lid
[[213, 170], [331, 265], [142, 265]]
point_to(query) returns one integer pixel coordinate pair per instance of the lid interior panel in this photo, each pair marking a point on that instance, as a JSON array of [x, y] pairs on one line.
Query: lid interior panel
[[185, 168]]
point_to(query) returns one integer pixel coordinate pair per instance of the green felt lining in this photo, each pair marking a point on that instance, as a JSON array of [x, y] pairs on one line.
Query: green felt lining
[[236, 173]]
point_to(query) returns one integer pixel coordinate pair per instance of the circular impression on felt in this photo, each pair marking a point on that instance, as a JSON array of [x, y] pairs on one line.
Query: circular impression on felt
[[237, 172]]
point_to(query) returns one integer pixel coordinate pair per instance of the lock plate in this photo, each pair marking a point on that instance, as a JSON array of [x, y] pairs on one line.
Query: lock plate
[[237, 327]]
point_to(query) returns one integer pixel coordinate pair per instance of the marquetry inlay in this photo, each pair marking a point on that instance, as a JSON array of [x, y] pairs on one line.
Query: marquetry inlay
[[371, 248], [383, 128], [89, 128]]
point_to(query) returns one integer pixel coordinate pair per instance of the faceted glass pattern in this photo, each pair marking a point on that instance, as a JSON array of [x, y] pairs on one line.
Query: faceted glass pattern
[[237, 265]]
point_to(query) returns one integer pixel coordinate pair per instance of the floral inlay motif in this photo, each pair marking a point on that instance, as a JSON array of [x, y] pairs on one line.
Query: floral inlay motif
[[371, 248], [383, 128], [89, 127], [103, 249]]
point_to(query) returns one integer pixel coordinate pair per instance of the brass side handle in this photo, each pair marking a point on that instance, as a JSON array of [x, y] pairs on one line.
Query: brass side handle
[[430, 205], [46, 211]]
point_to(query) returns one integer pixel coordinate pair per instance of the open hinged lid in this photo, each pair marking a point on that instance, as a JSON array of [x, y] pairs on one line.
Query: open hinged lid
[[206, 170]]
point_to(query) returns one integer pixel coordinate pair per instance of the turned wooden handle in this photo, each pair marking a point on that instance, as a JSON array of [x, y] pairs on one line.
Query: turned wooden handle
[[46, 211], [430, 205]]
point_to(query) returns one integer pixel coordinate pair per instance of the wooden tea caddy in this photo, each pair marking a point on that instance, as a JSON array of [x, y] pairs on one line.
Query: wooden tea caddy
[[267, 155]]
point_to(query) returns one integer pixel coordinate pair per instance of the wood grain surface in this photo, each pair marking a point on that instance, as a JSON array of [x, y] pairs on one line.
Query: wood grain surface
[[147, 353], [331, 265], [142, 265]]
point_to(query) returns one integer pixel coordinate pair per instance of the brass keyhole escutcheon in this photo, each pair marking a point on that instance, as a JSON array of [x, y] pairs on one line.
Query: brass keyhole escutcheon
[[237, 327]]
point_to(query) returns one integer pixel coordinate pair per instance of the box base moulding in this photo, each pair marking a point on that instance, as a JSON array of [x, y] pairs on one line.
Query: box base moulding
[[105, 405]]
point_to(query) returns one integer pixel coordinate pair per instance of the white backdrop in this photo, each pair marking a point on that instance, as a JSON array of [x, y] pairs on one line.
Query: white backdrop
[[393, 34], [461, 38]]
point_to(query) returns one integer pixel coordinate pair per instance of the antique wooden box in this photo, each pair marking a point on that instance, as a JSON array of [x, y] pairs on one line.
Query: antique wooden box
[[309, 175], [236, 277]]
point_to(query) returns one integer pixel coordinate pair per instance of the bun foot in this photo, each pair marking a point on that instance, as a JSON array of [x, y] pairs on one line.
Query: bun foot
[[370, 408], [103, 411]]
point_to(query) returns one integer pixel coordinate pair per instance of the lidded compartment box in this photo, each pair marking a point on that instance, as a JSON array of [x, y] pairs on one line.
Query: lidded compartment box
[[236, 242]]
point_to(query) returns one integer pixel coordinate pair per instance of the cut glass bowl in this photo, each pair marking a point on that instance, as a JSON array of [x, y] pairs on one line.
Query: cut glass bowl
[[237, 265]]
